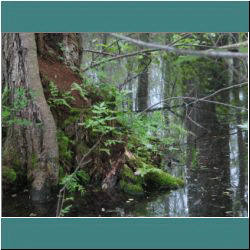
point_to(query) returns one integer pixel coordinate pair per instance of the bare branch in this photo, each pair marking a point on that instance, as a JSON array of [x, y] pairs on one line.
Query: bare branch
[[98, 52], [183, 52], [223, 89], [119, 57], [231, 46], [191, 98]]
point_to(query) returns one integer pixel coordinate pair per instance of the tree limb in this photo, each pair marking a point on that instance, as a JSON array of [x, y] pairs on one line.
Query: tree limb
[[183, 52]]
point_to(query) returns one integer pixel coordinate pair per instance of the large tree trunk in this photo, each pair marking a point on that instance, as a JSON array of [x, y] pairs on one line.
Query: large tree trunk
[[33, 148]]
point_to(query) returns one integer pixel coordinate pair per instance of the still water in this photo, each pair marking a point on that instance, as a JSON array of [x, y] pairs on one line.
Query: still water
[[204, 195]]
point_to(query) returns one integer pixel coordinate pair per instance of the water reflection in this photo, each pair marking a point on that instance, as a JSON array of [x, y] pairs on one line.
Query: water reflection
[[207, 193]]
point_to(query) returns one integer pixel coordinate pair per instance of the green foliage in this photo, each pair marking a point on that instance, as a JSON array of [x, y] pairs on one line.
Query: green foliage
[[83, 177], [98, 122], [10, 111], [9, 174], [58, 98], [65, 210], [83, 93], [64, 144], [72, 183]]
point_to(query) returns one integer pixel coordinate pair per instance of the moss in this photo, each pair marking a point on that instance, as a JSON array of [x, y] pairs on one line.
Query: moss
[[130, 183], [82, 148], [8, 174], [160, 179], [127, 172], [34, 160], [133, 189]]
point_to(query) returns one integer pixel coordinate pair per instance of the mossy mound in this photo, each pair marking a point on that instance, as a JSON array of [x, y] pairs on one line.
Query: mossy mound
[[8, 174], [160, 179], [132, 189], [130, 183]]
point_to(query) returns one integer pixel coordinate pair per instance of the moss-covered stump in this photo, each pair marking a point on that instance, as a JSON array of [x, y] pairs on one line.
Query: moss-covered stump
[[129, 183], [145, 178], [161, 180]]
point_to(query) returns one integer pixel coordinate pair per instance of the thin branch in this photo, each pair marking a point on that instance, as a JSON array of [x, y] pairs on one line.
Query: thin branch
[[190, 98], [183, 52], [196, 123], [223, 89], [165, 107], [98, 52], [231, 46], [137, 75], [119, 57], [183, 37]]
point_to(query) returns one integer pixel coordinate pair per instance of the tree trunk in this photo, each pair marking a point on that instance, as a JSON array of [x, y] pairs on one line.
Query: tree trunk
[[241, 145], [142, 92], [33, 148]]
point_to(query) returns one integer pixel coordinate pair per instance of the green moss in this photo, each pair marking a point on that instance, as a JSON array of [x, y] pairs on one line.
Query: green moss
[[34, 160], [8, 174], [134, 189], [130, 183], [127, 172], [160, 179]]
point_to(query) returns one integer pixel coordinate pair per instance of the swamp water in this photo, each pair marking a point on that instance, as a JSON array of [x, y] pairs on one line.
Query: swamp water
[[203, 195]]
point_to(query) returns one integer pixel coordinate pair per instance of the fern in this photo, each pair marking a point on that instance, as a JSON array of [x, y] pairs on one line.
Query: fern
[[83, 93], [57, 98]]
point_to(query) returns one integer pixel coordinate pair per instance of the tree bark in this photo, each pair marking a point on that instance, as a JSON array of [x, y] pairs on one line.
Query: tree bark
[[142, 92], [33, 148]]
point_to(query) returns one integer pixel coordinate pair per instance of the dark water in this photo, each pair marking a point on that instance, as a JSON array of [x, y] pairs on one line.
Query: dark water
[[204, 195], [216, 191]]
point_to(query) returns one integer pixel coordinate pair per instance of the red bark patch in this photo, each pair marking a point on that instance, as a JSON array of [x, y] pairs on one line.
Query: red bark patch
[[62, 76]]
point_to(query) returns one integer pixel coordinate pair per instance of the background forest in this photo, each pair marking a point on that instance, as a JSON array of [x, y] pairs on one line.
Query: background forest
[[114, 118]]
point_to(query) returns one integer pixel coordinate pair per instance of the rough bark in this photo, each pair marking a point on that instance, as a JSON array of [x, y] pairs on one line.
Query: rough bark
[[32, 148]]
